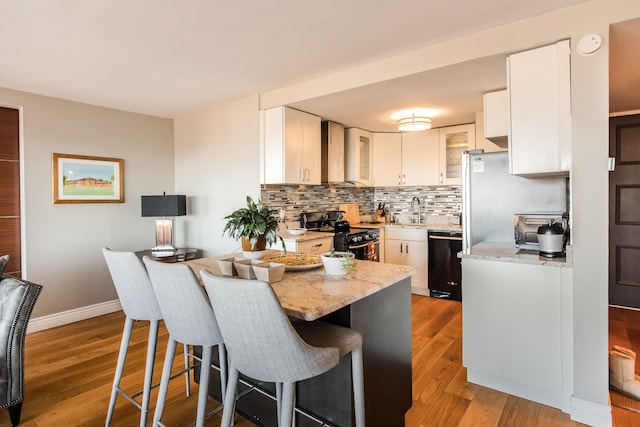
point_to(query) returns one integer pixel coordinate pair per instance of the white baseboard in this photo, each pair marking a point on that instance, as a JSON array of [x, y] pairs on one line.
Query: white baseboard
[[593, 414], [70, 316], [420, 291]]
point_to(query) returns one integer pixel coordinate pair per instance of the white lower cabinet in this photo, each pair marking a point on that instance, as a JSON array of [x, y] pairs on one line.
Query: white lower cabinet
[[517, 329], [314, 247], [409, 247]]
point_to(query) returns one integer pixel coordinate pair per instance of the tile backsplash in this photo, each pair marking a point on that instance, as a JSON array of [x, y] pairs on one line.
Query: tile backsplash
[[437, 203]]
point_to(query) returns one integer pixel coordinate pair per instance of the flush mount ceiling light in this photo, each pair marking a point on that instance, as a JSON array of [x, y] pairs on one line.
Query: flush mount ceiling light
[[413, 120], [414, 123]]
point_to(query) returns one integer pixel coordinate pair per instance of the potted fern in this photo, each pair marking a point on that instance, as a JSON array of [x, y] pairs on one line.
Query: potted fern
[[255, 225]]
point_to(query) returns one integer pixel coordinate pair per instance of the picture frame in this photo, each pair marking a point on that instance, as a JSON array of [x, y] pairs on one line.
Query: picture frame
[[87, 179]]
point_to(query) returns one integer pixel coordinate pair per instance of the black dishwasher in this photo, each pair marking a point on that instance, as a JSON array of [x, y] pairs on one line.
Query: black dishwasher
[[445, 272]]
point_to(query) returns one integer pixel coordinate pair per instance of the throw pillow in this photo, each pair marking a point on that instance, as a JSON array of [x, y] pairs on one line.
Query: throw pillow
[[4, 259]]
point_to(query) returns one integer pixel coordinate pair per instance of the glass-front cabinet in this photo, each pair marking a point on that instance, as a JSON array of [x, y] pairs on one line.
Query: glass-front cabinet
[[358, 155], [454, 140]]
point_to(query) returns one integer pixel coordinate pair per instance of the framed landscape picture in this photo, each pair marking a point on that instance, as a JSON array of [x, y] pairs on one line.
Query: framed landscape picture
[[87, 179]]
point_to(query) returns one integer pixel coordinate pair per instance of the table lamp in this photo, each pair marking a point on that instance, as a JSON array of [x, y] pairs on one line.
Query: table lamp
[[164, 206]]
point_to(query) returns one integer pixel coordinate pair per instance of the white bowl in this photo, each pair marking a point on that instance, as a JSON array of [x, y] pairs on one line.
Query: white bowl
[[269, 272], [226, 265], [297, 231], [245, 268], [337, 265]]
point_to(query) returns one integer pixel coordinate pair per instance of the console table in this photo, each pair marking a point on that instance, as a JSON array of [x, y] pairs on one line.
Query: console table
[[181, 254]]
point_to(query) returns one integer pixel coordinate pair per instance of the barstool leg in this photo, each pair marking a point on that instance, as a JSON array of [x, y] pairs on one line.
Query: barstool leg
[[203, 391], [122, 355], [148, 371], [279, 401], [187, 367], [286, 418], [229, 400], [358, 386], [222, 355], [164, 381]]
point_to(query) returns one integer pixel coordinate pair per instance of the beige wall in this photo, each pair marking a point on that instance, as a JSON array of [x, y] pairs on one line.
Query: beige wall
[[217, 166], [62, 242]]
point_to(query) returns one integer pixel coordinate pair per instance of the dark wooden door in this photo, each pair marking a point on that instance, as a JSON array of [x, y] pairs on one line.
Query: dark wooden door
[[10, 192], [624, 211]]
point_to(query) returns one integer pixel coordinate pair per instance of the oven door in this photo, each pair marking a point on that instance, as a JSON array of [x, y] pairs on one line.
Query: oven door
[[367, 251]]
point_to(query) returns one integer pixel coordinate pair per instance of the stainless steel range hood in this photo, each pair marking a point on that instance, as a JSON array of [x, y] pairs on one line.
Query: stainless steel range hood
[[332, 152]]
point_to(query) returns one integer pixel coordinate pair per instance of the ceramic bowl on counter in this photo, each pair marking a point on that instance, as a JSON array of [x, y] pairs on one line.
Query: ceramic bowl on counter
[[269, 272], [245, 268], [337, 263], [297, 231], [227, 265]]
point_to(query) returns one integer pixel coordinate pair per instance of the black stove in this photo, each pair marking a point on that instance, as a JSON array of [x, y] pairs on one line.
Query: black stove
[[364, 243], [320, 221]]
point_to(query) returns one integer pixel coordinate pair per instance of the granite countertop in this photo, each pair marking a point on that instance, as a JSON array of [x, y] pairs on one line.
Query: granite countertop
[[309, 235], [507, 252], [311, 294]]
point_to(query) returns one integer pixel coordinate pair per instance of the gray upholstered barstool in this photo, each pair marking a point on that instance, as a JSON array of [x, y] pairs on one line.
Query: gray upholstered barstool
[[189, 319], [263, 344], [139, 304]]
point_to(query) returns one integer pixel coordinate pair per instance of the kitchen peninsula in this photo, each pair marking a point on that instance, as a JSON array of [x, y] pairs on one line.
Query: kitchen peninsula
[[375, 300]]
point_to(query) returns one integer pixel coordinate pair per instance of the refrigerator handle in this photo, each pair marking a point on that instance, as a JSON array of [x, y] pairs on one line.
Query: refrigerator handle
[[466, 202]]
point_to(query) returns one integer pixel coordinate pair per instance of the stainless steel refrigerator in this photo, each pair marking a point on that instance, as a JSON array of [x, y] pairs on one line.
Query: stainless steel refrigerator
[[491, 196]]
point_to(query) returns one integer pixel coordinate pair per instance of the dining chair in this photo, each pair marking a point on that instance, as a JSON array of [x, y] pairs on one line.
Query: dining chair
[[189, 319], [139, 304], [265, 345]]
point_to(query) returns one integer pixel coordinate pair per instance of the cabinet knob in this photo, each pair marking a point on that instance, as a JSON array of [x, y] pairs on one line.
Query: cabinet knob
[[441, 178]]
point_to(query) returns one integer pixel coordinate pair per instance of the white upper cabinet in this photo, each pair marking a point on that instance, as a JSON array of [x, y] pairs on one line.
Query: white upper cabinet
[[539, 87], [483, 143], [387, 159], [453, 141], [429, 157], [420, 157], [495, 119], [292, 147], [358, 156], [409, 158]]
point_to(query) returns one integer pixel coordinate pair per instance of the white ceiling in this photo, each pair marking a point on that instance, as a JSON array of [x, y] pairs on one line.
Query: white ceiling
[[168, 58]]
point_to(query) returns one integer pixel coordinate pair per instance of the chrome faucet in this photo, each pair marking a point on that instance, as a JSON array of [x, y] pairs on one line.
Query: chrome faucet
[[413, 201]]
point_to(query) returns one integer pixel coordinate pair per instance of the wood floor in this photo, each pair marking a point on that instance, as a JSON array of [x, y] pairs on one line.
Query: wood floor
[[624, 330], [69, 371]]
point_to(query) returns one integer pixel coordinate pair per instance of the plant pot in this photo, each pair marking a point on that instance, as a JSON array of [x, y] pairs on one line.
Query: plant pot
[[258, 249], [338, 263], [260, 245]]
